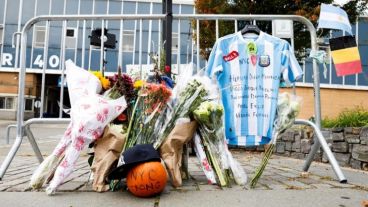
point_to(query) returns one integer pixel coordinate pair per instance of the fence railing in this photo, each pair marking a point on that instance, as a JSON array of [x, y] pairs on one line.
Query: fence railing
[[99, 60]]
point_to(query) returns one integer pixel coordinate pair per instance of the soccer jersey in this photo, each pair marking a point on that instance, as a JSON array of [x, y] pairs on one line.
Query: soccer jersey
[[248, 71]]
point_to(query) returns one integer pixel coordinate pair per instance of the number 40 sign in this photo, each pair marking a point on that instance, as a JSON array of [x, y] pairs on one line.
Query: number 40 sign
[[53, 61]]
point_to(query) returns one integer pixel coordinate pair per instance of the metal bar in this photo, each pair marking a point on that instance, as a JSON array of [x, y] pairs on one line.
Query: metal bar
[[102, 47], [149, 36], [32, 48], [178, 56], [168, 31], [140, 47], [33, 143], [77, 35], [236, 25], [83, 43], [159, 43], [325, 148], [120, 50], [61, 66], [10, 156], [316, 88], [217, 29], [92, 24], [3, 36], [8, 132], [357, 42], [45, 57], [20, 107], [20, 12], [135, 33]]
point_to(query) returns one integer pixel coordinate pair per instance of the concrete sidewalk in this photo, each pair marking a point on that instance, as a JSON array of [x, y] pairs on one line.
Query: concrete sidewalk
[[282, 184]]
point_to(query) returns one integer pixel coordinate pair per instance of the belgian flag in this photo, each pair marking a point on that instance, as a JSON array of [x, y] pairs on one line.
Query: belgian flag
[[345, 55]]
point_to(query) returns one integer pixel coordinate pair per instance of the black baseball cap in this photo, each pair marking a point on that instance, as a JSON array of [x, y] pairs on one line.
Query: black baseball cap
[[131, 157]]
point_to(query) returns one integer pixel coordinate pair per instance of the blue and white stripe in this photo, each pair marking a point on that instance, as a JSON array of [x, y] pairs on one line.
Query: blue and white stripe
[[257, 108]]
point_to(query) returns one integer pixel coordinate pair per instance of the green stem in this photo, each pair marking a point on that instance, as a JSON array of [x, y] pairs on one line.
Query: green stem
[[261, 168], [131, 123]]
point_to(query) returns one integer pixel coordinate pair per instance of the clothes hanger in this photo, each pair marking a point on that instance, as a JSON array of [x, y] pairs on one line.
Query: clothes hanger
[[250, 28]]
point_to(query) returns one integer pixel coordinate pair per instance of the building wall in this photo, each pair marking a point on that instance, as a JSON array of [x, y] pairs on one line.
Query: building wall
[[333, 101], [9, 91], [9, 83]]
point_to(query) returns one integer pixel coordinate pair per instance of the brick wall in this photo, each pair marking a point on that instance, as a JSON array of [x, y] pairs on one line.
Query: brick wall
[[349, 145]]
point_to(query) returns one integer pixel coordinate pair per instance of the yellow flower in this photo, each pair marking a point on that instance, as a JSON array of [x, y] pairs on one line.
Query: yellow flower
[[105, 83], [138, 84], [98, 74]]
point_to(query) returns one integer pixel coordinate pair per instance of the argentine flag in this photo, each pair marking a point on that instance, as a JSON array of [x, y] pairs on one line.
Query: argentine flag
[[333, 17]]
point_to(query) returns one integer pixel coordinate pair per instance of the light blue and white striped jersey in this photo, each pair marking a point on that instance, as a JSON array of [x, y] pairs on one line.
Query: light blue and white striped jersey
[[249, 83]]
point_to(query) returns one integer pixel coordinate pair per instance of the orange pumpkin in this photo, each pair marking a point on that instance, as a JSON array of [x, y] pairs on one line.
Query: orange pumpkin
[[147, 179]]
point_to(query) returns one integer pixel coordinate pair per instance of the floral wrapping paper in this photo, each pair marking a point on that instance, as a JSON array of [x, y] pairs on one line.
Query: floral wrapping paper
[[90, 113]]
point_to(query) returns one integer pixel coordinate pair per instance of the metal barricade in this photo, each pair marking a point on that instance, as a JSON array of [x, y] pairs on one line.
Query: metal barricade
[[194, 57]]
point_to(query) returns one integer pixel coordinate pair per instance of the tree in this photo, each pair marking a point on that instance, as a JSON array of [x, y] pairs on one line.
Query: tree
[[308, 9]]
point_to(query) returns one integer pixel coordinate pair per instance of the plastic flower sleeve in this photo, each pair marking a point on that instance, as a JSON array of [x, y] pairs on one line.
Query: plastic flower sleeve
[[80, 82], [201, 155], [42, 172], [239, 174], [89, 116]]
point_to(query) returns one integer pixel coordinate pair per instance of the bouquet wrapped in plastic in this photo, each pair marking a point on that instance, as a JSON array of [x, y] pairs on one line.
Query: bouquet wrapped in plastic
[[90, 113], [187, 100], [148, 113], [209, 117], [288, 108]]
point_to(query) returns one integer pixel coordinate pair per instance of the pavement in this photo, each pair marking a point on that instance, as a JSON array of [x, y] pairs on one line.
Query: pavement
[[282, 184]]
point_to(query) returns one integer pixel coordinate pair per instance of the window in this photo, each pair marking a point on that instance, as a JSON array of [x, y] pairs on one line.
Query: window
[[128, 41], [6, 102], [39, 36], [2, 102], [71, 38], [1, 33], [28, 104], [175, 43]]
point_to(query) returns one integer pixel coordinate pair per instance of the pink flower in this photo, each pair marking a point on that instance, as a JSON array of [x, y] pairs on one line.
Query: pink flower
[[80, 140], [64, 163], [68, 131], [86, 106], [206, 165], [105, 111], [97, 133], [60, 150], [102, 101], [81, 128]]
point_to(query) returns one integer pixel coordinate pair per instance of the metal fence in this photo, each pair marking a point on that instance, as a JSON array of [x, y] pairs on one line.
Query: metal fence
[[103, 20]]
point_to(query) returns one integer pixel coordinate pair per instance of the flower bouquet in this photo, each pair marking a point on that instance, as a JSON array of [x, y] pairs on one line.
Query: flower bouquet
[[147, 114], [209, 117], [188, 100], [288, 107]]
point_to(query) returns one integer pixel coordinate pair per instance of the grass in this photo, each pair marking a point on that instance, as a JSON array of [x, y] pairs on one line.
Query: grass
[[355, 117]]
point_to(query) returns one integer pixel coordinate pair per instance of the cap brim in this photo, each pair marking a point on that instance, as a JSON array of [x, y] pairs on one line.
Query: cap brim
[[122, 171]]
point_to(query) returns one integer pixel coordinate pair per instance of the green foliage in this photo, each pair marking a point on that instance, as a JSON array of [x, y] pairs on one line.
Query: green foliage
[[356, 117], [308, 9]]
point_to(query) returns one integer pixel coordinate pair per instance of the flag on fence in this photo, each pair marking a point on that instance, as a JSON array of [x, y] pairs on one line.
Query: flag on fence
[[333, 17], [345, 55]]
